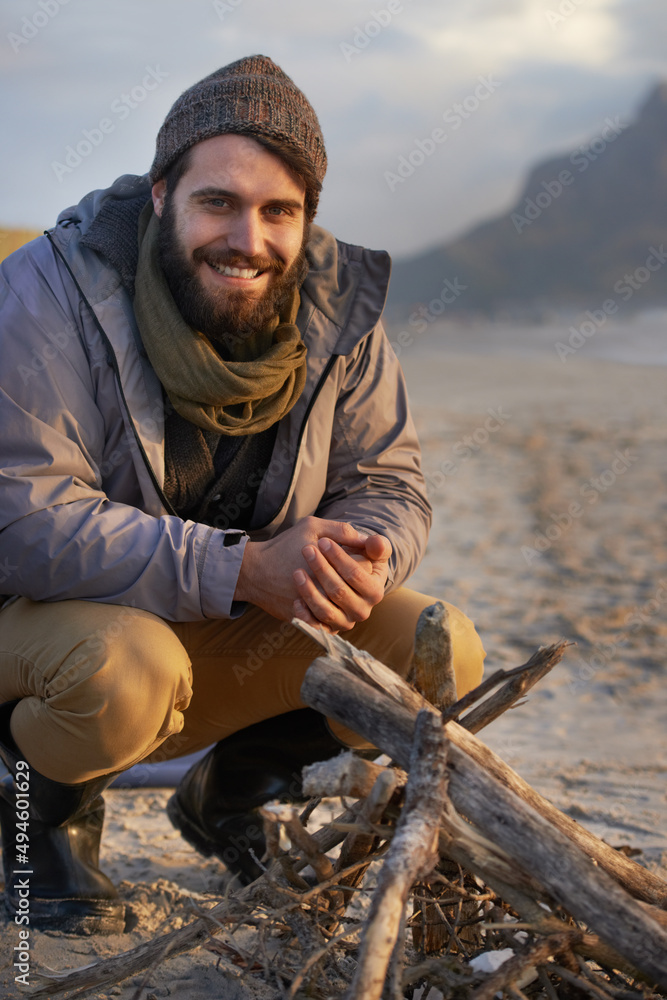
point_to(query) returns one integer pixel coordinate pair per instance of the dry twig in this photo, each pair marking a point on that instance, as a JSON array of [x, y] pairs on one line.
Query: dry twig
[[412, 854]]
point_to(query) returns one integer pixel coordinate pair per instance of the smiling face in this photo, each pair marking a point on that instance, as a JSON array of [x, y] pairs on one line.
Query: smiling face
[[232, 236]]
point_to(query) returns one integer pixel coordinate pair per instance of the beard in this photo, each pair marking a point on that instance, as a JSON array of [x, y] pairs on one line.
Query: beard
[[225, 316]]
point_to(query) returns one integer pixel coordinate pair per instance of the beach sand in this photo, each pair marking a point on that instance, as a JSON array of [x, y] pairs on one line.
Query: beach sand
[[547, 481]]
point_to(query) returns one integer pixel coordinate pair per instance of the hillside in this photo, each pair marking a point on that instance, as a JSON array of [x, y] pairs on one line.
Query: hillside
[[582, 232], [12, 239]]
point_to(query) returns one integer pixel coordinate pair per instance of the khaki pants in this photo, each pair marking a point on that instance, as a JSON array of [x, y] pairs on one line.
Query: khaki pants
[[103, 687]]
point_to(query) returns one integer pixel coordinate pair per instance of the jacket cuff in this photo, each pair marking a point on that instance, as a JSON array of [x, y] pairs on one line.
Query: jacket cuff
[[219, 565]]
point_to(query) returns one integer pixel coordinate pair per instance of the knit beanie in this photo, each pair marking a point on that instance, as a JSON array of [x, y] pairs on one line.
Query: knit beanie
[[252, 97]]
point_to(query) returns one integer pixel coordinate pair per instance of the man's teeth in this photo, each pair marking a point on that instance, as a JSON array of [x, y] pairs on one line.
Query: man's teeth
[[236, 272]]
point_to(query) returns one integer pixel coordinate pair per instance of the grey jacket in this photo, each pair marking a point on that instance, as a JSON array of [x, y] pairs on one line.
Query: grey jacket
[[82, 514]]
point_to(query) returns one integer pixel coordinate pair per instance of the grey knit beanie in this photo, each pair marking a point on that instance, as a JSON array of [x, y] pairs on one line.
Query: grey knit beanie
[[252, 97]]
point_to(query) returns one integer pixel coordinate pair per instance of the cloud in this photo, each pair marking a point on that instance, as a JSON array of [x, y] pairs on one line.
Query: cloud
[[558, 81]]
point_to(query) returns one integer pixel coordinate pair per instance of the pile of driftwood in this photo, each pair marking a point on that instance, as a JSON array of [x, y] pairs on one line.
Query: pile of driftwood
[[480, 886]]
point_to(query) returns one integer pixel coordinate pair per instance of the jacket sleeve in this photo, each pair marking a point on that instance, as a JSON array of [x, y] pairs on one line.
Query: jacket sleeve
[[61, 537], [374, 476]]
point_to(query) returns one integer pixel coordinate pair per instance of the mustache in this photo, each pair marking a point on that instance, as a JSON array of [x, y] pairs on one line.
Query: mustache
[[230, 258]]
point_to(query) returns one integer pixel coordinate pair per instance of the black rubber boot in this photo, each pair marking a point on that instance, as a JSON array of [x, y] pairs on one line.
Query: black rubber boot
[[215, 806], [50, 851]]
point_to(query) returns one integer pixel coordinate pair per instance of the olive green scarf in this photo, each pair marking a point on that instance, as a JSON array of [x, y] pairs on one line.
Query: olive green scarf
[[230, 397]]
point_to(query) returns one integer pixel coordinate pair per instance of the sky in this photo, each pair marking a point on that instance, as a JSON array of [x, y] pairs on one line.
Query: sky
[[433, 111]]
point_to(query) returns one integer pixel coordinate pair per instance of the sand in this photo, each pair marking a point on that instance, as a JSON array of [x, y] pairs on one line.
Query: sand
[[547, 481]]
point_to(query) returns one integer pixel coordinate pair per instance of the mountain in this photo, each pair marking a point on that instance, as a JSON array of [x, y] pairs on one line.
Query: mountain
[[583, 232]]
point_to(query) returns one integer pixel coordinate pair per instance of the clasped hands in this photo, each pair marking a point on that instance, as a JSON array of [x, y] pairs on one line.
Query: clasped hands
[[324, 572]]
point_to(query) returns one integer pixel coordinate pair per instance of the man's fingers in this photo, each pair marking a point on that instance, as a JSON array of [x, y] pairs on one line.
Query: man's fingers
[[320, 605], [304, 614], [378, 548], [360, 558], [353, 572], [366, 588], [341, 532], [334, 585]]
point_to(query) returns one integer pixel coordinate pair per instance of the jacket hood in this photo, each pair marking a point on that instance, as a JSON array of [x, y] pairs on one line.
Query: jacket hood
[[347, 283]]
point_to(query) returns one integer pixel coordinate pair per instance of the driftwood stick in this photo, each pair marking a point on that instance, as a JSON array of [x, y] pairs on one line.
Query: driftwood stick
[[582, 984], [394, 985], [429, 925], [271, 837], [300, 838], [462, 842], [594, 979], [411, 856], [465, 844], [365, 667], [360, 844], [432, 672], [540, 663], [346, 775], [535, 844], [361, 664], [328, 837], [637, 880], [515, 969], [315, 957], [107, 972]]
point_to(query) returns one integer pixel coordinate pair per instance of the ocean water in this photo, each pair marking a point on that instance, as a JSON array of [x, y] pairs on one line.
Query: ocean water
[[636, 340]]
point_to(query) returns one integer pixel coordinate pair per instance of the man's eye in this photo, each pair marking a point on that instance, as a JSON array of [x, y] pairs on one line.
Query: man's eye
[[276, 210], [218, 202]]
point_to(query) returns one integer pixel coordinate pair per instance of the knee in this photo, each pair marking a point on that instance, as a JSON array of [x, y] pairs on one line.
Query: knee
[[402, 611], [133, 672], [467, 650]]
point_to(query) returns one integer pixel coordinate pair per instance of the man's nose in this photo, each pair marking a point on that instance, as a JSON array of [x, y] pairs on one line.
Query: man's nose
[[246, 235]]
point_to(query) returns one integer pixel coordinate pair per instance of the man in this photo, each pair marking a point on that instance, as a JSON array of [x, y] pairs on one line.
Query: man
[[205, 434]]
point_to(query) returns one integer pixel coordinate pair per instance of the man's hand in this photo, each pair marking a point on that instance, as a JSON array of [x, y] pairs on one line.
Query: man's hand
[[324, 572], [343, 586]]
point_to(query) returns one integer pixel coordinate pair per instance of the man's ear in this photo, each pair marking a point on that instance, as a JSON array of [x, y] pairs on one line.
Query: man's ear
[[159, 195]]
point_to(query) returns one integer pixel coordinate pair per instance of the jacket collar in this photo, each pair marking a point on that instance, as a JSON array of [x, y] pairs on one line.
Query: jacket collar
[[347, 283]]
